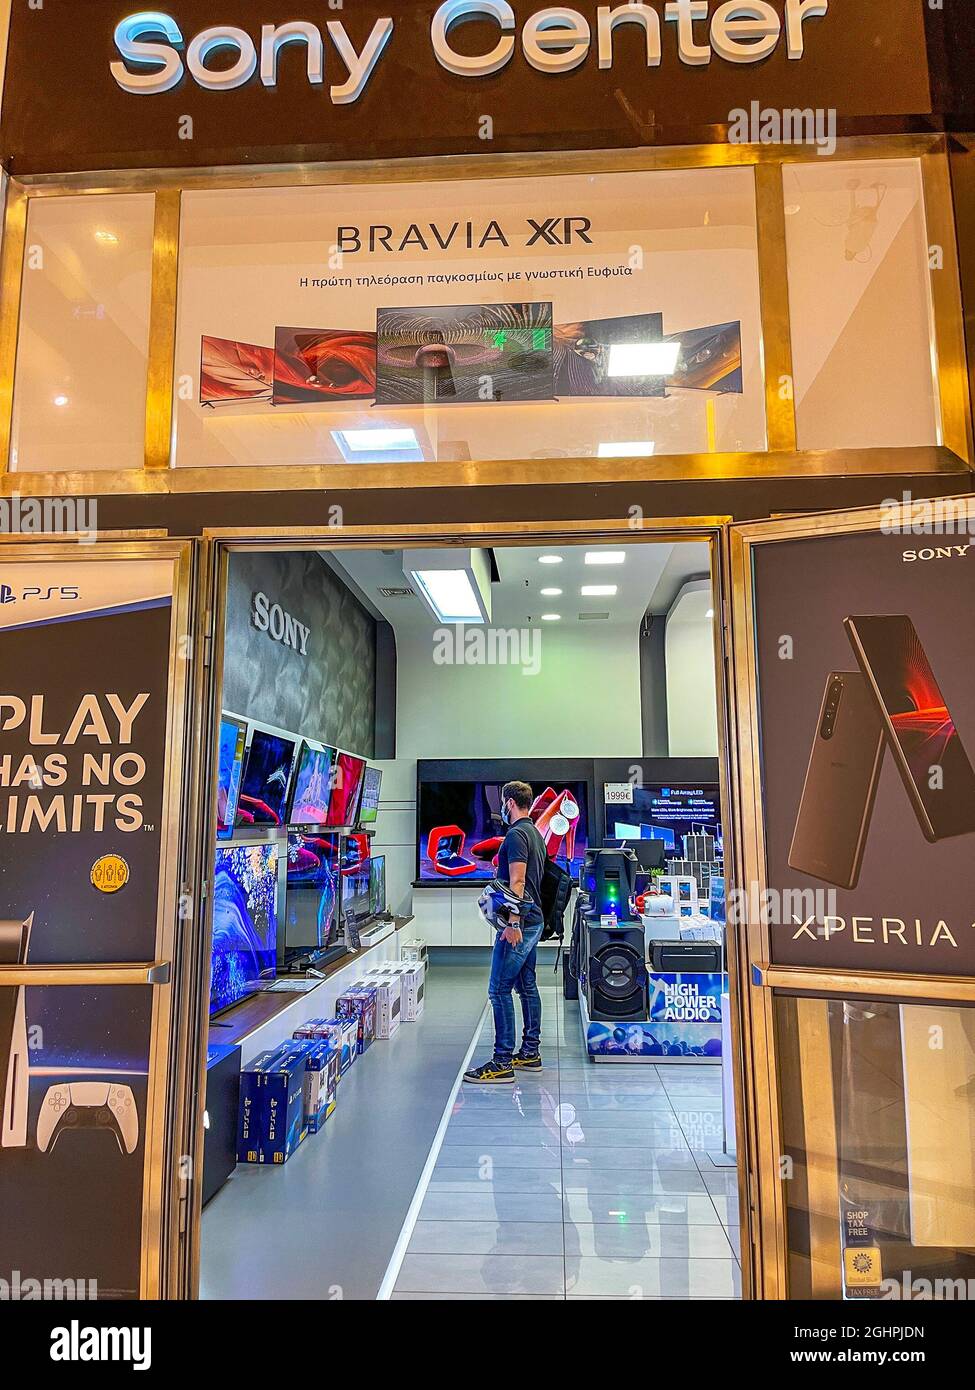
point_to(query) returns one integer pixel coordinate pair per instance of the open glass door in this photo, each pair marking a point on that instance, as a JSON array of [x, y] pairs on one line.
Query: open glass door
[[95, 669], [855, 708]]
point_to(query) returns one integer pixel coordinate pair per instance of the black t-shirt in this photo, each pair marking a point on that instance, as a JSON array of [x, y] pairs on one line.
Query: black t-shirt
[[523, 844]]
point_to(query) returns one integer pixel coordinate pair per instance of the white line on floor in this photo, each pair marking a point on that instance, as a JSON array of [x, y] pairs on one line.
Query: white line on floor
[[412, 1215]]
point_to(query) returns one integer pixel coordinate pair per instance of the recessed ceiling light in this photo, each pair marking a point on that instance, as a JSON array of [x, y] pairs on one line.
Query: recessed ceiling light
[[61, 401], [451, 595], [551, 617], [599, 590], [551, 593], [605, 557], [105, 238], [709, 613], [634, 448], [550, 559], [642, 359], [371, 441]]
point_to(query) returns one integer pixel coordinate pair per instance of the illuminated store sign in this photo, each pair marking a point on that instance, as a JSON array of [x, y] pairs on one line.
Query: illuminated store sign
[[155, 55]]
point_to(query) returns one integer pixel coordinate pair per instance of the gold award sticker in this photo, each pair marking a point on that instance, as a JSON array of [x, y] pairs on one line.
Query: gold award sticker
[[862, 1266], [110, 873]]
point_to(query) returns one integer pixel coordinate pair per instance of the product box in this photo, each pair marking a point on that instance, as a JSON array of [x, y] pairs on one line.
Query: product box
[[414, 950], [359, 1002], [389, 1002], [321, 1082], [250, 1128], [343, 1033], [282, 1094], [682, 888], [412, 978]]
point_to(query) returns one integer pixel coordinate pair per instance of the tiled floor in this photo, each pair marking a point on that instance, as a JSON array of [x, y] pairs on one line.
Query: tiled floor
[[582, 1181]]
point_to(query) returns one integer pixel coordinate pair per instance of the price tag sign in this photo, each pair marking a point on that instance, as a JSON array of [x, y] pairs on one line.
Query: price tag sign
[[618, 793]]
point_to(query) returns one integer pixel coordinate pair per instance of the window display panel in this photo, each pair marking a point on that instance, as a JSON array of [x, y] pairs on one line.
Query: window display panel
[[902, 1149], [322, 317], [859, 293], [83, 349]]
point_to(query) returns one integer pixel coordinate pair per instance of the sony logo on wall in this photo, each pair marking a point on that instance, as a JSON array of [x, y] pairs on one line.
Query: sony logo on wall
[[155, 55], [280, 626]]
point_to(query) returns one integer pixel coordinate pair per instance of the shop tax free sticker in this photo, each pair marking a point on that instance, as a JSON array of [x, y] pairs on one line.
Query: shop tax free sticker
[[110, 873]]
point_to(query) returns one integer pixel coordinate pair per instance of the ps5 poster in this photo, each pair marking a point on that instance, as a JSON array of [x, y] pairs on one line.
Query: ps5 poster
[[84, 694], [866, 691]]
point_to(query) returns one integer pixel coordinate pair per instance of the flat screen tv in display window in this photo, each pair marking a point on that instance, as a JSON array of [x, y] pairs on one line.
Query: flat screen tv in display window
[[232, 372], [460, 831], [377, 885], [668, 813], [343, 806], [233, 741], [245, 922], [312, 785], [369, 805], [356, 900], [312, 922], [267, 777], [446, 354]]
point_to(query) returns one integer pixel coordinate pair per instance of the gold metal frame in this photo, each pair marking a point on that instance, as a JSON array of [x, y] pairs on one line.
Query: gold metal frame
[[218, 544], [762, 982], [783, 459], [159, 1210]]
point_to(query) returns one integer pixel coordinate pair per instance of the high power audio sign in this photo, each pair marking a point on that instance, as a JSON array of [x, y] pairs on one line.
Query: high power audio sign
[[204, 82]]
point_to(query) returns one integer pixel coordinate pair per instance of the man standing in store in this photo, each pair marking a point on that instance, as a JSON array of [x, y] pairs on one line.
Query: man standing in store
[[517, 918]]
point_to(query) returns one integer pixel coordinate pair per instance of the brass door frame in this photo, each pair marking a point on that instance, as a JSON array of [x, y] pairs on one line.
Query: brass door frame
[[762, 981], [218, 544], [952, 450], [161, 1197]]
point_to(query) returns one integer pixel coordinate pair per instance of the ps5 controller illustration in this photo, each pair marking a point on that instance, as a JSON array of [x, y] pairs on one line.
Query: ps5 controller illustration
[[88, 1105]]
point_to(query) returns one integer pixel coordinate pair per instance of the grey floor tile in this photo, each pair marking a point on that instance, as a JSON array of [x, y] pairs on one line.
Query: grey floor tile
[[637, 1242], [680, 1209], [606, 1182], [729, 1212], [655, 1278], [486, 1238], [490, 1274], [502, 1156], [586, 1103], [402, 1297], [516, 1133], [721, 1181], [510, 1180], [492, 1206], [634, 1158]]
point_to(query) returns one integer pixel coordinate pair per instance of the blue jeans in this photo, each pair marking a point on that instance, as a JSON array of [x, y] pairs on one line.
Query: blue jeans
[[513, 968]]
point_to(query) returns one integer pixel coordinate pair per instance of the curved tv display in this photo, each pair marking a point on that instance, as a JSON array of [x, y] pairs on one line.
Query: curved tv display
[[312, 786], [264, 789], [346, 788], [245, 921]]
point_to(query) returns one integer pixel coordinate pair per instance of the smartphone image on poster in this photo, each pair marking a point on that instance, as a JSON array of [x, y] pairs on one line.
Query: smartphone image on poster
[[927, 748], [841, 783]]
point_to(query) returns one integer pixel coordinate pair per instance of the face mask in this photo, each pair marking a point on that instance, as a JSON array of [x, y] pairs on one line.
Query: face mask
[[505, 815]]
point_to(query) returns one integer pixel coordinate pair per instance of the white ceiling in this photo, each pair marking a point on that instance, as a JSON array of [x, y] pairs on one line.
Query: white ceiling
[[652, 572]]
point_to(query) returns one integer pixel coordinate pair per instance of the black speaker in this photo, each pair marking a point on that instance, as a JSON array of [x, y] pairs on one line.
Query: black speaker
[[616, 974]]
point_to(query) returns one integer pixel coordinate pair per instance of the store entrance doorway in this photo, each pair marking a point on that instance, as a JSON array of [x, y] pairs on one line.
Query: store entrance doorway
[[428, 671]]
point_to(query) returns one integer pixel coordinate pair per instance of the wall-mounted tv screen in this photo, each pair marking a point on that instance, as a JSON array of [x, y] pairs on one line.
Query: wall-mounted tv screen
[[668, 813], [347, 778], [460, 831], [311, 915], [445, 354], [267, 776], [233, 740], [369, 805], [608, 357], [245, 921], [312, 785], [377, 884]]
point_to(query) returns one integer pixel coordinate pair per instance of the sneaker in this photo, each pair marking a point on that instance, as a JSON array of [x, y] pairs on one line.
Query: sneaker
[[491, 1074], [527, 1061]]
